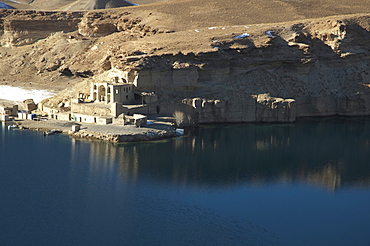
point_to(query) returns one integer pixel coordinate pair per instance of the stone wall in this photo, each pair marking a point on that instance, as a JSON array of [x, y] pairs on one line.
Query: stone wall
[[90, 109]]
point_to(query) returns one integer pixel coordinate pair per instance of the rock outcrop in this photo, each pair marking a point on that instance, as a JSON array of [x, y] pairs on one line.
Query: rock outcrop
[[253, 73], [150, 135], [317, 68], [21, 28]]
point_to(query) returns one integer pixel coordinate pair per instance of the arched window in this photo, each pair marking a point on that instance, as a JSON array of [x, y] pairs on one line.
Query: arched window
[[101, 93]]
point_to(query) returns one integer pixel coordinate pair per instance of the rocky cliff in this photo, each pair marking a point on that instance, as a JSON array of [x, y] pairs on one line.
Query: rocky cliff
[[272, 73], [242, 73]]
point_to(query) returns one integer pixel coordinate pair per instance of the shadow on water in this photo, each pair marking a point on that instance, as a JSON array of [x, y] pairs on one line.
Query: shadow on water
[[328, 152]]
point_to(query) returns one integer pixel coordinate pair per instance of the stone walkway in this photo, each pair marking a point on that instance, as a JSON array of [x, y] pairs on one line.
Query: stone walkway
[[66, 126], [111, 129]]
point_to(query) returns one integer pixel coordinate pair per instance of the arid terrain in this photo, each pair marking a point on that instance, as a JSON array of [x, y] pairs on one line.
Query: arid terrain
[[217, 61]]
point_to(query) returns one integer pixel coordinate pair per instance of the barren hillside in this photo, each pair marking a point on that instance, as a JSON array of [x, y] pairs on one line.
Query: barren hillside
[[225, 53], [67, 5]]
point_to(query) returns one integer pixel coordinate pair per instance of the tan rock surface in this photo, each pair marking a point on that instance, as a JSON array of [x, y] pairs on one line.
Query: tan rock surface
[[189, 49]]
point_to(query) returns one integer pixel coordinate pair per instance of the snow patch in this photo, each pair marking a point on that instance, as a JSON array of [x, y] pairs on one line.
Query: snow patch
[[242, 35], [268, 33], [133, 4], [5, 6], [19, 94], [196, 30], [210, 28]]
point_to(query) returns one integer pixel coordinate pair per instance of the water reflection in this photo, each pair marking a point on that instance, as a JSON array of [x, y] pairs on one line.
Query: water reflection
[[105, 160], [330, 152]]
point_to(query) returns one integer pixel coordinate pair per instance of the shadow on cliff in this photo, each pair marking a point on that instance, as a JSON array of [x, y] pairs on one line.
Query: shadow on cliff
[[357, 39], [296, 68]]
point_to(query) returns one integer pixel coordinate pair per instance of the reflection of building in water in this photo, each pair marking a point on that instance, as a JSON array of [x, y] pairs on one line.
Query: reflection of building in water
[[3, 126], [106, 159], [226, 157], [129, 162], [215, 159], [272, 141], [102, 159], [328, 176]]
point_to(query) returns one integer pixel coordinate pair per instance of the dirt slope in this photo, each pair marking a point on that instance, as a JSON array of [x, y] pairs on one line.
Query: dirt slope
[[97, 35], [188, 49], [67, 5], [192, 14]]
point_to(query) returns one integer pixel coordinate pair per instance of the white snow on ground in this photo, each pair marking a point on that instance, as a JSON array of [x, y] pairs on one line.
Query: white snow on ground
[[19, 94], [210, 28], [242, 35], [268, 33], [196, 30], [133, 4]]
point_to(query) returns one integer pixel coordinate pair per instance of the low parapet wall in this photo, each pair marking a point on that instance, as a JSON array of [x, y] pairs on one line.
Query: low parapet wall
[[90, 109]]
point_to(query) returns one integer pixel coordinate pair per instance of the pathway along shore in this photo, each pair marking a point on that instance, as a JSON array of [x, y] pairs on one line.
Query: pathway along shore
[[114, 133]]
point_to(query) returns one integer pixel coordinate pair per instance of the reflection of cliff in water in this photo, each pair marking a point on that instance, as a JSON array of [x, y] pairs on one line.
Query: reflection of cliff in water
[[331, 152]]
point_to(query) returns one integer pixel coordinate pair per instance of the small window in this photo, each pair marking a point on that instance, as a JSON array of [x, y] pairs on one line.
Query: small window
[[117, 91]]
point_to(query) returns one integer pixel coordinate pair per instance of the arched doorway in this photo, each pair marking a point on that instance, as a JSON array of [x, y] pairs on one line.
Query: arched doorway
[[102, 93]]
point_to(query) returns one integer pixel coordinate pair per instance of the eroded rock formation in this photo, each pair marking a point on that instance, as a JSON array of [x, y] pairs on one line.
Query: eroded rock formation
[[255, 73]]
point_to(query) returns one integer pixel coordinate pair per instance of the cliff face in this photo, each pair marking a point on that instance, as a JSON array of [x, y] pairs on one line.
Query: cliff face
[[246, 73], [317, 68]]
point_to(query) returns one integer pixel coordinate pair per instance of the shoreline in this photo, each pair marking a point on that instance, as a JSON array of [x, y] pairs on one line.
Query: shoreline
[[158, 130]]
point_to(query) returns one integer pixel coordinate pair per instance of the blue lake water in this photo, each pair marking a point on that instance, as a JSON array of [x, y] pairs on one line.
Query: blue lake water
[[306, 183]]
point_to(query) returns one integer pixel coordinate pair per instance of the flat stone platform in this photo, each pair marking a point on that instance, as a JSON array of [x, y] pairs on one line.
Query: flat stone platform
[[115, 133]]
